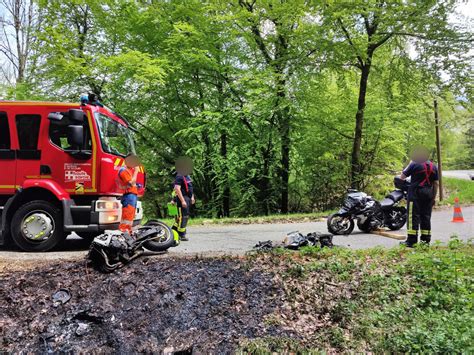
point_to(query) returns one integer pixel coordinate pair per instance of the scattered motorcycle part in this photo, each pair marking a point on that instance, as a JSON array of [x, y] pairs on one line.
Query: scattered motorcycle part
[[61, 296], [296, 240]]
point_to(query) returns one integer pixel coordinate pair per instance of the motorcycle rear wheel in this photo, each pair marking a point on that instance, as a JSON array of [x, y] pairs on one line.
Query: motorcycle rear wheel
[[164, 241], [398, 219], [340, 225]]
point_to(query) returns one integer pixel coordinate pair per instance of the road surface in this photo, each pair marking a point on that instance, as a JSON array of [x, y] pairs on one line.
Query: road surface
[[459, 174], [238, 239]]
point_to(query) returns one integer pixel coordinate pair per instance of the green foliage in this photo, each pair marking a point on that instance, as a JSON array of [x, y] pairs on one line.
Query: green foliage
[[262, 95], [463, 189], [379, 300], [426, 305], [421, 303]]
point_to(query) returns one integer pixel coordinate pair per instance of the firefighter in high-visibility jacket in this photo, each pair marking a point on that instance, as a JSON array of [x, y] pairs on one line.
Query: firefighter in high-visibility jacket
[[421, 196], [127, 179]]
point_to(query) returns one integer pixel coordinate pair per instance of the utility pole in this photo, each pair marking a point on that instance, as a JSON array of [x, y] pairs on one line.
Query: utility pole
[[438, 150]]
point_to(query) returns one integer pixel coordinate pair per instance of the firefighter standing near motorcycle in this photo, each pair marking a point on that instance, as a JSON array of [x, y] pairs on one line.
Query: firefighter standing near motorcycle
[[421, 196], [184, 196], [127, 181]]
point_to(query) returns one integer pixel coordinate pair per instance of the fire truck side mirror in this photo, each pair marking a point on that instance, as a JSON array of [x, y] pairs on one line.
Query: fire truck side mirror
[[55, 116], [75, 137], [76, 115]]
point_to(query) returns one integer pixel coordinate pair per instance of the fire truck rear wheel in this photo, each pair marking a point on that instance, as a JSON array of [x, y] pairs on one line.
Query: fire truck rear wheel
[[37, 226]]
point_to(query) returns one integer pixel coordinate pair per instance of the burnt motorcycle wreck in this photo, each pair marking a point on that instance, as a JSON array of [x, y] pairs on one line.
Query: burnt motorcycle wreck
[[369, 213], [114, 249]]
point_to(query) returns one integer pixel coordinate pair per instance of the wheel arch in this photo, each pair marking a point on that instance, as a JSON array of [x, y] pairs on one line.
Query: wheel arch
[[22, 196]]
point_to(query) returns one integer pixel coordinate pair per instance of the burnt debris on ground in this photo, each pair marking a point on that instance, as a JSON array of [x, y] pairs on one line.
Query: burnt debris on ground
[[154, 305], [296, 240]]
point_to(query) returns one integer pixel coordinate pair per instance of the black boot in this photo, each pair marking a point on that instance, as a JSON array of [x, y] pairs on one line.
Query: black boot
[[425, 239], [410, 242]]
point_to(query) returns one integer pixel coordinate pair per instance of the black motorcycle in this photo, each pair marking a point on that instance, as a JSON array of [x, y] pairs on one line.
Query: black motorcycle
[[113, 250], [370, 213]]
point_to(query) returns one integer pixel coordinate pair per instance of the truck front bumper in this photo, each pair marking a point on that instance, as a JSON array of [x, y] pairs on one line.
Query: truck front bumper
[[102, 214]]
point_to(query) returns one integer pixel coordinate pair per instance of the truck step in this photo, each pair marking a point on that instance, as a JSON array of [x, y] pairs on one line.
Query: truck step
[[81, 228]]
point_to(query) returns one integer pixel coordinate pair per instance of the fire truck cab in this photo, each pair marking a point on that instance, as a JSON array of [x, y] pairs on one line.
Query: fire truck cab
[[59, 163]]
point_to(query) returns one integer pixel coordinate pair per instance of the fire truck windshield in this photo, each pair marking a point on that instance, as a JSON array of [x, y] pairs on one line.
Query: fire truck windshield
[[114, 137]]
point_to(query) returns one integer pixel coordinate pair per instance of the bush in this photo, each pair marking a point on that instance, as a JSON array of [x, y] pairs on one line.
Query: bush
[[380, 300]]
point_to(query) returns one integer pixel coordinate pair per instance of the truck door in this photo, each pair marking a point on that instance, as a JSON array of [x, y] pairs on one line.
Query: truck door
[[7, 157], [28, 153], [74, 172]]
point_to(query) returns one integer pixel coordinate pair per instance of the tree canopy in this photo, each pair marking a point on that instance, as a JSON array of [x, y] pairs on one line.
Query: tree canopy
[[281, 104]]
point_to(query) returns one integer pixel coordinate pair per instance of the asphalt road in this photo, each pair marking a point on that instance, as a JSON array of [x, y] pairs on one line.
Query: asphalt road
[[459, 174], [238, 239]]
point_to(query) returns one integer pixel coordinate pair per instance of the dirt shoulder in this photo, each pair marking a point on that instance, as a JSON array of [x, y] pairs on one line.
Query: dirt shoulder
[[330, 300], [183, 304]]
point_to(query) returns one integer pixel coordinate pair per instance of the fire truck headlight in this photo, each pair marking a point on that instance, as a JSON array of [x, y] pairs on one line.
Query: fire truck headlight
[[107, 217], [112, 218], [107, 205]]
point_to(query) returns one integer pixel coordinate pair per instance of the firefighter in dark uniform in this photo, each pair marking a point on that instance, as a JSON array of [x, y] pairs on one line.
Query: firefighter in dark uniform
[[184, 196], [421, 196]]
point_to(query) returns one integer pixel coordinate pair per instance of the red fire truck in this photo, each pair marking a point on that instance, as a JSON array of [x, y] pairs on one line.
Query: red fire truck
[[59, 164]]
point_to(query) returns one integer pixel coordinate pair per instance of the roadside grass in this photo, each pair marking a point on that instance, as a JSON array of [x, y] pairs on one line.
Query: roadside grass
[[275, 218], [463, 189], [377, 300]]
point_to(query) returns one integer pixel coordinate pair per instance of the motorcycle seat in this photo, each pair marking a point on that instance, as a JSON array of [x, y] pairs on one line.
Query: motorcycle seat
[[386, 203], [395, 196]]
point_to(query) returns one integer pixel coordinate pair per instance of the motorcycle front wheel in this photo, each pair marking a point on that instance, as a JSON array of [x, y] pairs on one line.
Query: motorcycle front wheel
[[164, 238], [397, 218], [340, 225]]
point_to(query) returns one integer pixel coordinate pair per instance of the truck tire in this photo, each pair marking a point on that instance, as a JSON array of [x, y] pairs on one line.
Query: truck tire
[[37, 226]]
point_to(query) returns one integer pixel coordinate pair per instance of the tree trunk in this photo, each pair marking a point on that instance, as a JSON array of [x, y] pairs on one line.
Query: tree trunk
[[225, 179], [285, 161], [356, 170], [264, 185], [158, 213], [209, 183]]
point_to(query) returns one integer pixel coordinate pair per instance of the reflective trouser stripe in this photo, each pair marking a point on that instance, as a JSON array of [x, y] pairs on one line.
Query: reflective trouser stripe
[[425, 232], [176, 236], [178, 219], [409, 222], [126, 221], [411, 231]]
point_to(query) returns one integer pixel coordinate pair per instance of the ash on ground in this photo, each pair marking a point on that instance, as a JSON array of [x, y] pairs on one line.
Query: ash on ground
[[159, 305]]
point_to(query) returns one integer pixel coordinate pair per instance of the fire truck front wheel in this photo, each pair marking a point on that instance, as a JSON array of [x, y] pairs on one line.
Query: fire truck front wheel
[[37, 226]]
